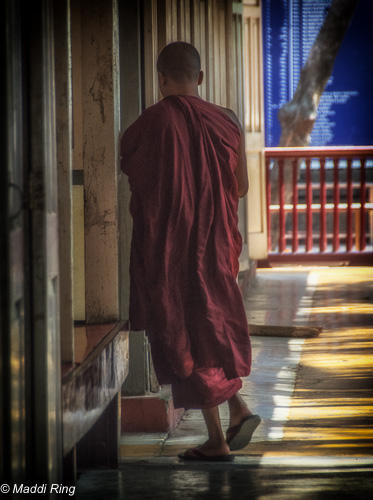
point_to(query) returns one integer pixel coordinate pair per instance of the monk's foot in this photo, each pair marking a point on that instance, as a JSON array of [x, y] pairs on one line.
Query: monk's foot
[[237, 417], [238, 410], [212, 448]]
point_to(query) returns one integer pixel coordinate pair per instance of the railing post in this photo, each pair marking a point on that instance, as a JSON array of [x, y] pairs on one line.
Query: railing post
[[268, 188], [281, 187], [336, 206], [349, 206], [322, 242], [295, 206], [363, 197], [309, 242]]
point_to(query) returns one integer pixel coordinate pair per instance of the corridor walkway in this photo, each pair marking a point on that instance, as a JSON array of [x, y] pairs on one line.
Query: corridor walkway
[[331, 410], [315, 396]]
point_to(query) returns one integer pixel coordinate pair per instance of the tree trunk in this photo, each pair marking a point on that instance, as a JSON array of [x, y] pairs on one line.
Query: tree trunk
[[298, 116]]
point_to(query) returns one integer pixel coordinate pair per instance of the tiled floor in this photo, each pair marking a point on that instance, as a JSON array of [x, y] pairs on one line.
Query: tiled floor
[[281, 296]]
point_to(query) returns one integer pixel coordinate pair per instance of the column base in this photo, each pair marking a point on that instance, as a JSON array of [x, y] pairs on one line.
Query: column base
[[152, 412]]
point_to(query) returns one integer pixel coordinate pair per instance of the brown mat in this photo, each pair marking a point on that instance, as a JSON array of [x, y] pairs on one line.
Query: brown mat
[[285, 331]]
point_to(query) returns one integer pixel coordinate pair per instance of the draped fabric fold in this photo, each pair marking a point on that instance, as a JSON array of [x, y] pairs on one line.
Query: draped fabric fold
[[180, 156]]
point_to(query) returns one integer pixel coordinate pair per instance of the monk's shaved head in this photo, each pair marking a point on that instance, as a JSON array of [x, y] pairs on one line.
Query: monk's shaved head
[[180, 61]]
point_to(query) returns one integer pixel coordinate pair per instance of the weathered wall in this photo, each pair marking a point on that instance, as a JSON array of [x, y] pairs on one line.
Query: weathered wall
[[95, 138]]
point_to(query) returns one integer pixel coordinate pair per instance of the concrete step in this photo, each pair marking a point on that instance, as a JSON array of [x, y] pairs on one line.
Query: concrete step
[[152, 412]]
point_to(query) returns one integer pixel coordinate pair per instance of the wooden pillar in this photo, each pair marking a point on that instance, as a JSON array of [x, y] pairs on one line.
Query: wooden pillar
[[254, 128], [63, 135], [130, 109], [45, 439], [140, 378], [151, 48], [99, 139], [13, 251]]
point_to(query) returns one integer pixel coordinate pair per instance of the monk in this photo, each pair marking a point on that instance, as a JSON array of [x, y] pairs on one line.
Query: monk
[[185, 160]]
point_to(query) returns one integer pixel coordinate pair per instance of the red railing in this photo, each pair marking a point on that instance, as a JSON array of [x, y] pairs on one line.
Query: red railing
[[320, 204]]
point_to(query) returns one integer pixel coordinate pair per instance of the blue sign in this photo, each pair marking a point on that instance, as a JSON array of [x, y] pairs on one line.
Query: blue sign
[[345, 113]]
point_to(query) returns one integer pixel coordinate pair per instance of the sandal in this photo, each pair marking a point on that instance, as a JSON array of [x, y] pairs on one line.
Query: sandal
[[239, 436]]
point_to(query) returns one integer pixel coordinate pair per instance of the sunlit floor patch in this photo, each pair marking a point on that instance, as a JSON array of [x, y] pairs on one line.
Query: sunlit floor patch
[[332, 404]]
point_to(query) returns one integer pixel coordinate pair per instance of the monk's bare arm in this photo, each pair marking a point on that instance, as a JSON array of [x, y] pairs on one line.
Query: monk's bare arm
[[241, 170]]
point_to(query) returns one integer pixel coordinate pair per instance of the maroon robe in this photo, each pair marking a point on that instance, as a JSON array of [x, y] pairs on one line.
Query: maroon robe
[[180, 156]]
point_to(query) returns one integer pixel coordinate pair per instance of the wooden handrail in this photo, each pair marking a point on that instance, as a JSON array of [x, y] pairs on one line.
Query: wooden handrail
[[324, 152]]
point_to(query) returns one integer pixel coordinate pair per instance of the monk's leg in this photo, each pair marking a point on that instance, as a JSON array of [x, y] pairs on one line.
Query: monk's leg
[[237, 409], [216, 444]]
